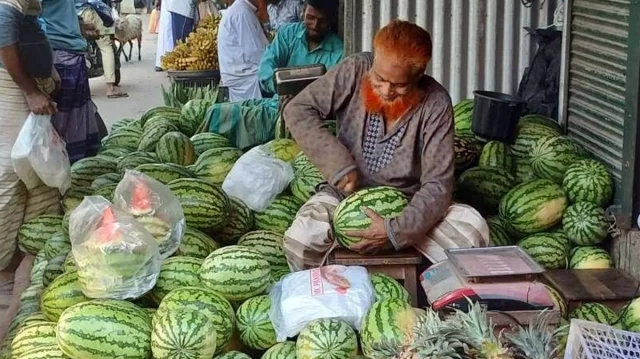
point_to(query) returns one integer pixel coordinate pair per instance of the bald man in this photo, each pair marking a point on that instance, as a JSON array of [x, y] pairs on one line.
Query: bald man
[[395, 129]]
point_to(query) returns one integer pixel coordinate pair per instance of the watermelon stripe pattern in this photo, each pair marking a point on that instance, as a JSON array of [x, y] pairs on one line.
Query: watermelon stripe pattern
[[387, 324], [497, 154], [585, 224], [205, 205], [34, 234], [44, 352], [558, 300], [484, 187], [233, 355], [209, 303], [588, 181], [183, 334], [159, 111], [279, 215], [284, 350], [387, 202], [526, 138], [270, 245], [595, 312], [32, 337], [165, 172], [196, 244], [386, 287], [207, 141], [193, 113], [498, 233], [463, 117], [306, 178], [254, 324], [215, 164], [128, 139], [240, 222], [539, 120], [533, 207], [174, 147], [284, 149], [153, 134], [86, 170], [551, 156], [133, 160], [236, 272], [327, 339], [546, 249], [176, 272], [631, 316], [590, 258], [105, 328]]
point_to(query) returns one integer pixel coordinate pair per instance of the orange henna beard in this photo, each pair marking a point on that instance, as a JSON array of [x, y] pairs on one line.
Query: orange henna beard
[[391, 110]]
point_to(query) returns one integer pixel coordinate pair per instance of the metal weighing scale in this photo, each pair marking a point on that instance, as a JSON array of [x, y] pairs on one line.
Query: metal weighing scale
[[292, 80], [501, 278]]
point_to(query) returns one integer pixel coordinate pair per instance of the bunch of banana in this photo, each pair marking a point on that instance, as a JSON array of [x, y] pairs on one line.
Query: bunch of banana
[[199, 52]]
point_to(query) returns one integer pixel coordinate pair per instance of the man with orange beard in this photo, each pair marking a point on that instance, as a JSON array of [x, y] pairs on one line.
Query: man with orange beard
[[395, 128]]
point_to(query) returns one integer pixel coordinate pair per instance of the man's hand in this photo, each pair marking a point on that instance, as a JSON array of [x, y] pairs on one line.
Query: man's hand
[[349, 183], [40, 104], [374, 238]]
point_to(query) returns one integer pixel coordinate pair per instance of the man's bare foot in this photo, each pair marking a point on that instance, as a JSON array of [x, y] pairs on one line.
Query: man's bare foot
[[114, 92]]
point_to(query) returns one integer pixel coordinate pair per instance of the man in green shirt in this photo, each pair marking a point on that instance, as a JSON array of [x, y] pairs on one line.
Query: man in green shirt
[[313, 41]]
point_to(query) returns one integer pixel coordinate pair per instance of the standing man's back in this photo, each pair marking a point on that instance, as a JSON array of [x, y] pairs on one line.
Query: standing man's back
[[241, 43]]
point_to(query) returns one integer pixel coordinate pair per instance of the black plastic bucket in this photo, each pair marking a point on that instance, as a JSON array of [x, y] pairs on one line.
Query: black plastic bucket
[[495, 115]]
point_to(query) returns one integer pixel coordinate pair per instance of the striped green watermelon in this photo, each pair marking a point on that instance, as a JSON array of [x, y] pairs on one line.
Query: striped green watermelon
[[105, 329], [183, 334], [196, 244], [206, 301], [467, 151], [386, 287], [539, 120], [176, 272], [215, 164], [284, 149], [73, 198], [484, 187], [33, 337], [122, 123], [34, 234], [135, 159], [137, 129], [153, 134], [526, 137], [254, 324], [498, 233], [53, 269], [279, 215], [207, 141], [558, 301], [595, 312], [240, 222], [524, 171], [106, 191], [30, 300], [69, 263], [562, 238], [86, 170], [113, 153], [50, 351], [497, 154], [34, 318], [163, 120], [585, 224], [236, 272], [590, 258], [284, 350], [105, 180], [327, 339], [234, 354], [175, 147], [533, 207], [165, 172], [64, 292], [193, 113], [631, 316], [387, 325], [128, 139], [387, 202], [588, 181], [159, 111], [307, 178], [205, 205], [270, 245], [37, 270], [551, 156], [546, 249], [463, 117]]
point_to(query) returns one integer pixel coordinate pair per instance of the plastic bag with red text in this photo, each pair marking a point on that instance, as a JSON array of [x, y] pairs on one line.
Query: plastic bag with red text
[[154, 206], [327, 292], [115, 255]]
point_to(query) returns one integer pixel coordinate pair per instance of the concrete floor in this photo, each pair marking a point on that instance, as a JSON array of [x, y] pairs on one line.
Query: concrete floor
[[139, 80]]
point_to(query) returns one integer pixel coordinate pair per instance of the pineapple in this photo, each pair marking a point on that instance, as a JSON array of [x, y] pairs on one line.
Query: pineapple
[[537, 341], [479, 333]]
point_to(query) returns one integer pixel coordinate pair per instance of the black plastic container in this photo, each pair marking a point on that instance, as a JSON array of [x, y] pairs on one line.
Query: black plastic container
[[495, 115]]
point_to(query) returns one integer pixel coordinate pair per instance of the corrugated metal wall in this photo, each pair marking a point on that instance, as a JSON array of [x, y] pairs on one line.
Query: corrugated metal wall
[[478, 44]]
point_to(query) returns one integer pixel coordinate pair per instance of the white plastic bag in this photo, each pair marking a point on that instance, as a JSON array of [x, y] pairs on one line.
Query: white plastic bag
[[154, 206], [39, 154], [328, 292], [115, 256], [257, 178]]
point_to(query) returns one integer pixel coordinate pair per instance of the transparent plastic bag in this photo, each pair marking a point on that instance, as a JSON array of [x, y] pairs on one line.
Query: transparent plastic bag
[[39, 155], [154, 206], [328, 292], [115, 256], [257, 178]]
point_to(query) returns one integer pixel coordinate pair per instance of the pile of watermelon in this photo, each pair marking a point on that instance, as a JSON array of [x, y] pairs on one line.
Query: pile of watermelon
[[542, 192]]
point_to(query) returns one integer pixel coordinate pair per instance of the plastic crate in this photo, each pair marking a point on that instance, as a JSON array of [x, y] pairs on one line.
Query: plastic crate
[[589, 340]]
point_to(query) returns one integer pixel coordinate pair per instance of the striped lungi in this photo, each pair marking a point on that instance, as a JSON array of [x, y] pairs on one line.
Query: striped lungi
[[16, 203]]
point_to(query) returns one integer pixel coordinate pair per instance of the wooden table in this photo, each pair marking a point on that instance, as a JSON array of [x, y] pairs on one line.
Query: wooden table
[[402, 266], [612, 287]]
